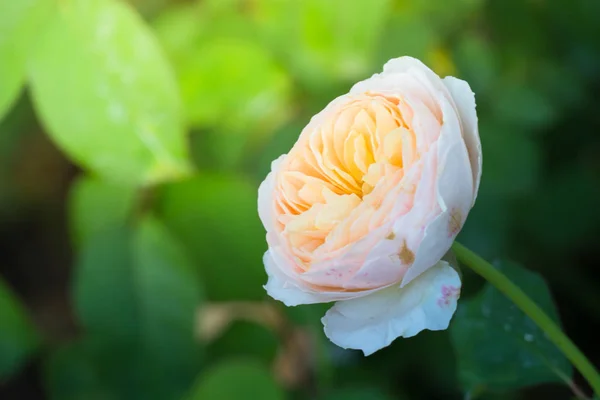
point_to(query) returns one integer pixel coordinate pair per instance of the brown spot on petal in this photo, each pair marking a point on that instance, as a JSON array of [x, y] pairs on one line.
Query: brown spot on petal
[[456, 221], [405, 254], [391, 236]]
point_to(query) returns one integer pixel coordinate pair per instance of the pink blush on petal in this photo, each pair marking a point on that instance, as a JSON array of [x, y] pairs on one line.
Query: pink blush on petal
[[448, 294]]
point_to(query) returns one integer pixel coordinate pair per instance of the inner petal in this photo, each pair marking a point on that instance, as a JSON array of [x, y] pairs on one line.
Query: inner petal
[[355, 146]]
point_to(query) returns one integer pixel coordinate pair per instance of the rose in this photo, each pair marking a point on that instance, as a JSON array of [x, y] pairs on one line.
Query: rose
[[368, 201]]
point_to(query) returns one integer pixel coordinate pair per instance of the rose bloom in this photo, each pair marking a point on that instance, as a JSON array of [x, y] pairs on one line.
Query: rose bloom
[[367, 202]]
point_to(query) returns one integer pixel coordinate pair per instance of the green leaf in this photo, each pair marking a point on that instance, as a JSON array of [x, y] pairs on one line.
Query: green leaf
[[80, 371], [477, 63], [216, 218], [167, 292], [412, 37], [137, 290], [498, 346], [445, 16], [232, 83], [513, 159], [518, 104], [281, 143], [514, 395], [18, 337], [95, 206], [332, 41], [105, 266], [236, 380], [19, 21], [178, 28], [245, 338], [358, 393], [107, 95], [14, 129], [234, 86], [95, 369], [154, 293], [307, 314], [486, 229], [562, 213], [229, 82]]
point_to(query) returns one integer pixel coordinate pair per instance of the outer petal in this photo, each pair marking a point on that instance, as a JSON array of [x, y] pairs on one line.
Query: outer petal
[[265, 195], [454, 195], [373, 322], [293, 292], [464, 98], [419, 70], [406, 76], [281, 288]]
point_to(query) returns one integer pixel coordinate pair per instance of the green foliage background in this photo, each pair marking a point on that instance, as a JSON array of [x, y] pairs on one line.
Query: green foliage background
[[134, 135]]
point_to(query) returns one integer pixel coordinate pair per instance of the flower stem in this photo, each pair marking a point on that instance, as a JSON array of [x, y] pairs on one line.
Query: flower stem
[[517, 296]]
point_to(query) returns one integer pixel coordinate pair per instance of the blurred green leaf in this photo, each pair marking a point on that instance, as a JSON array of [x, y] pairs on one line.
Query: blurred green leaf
[[477, 64], [216, 218], [518, 25], [501, 395], [486, 229], [13, 128], [406, 34], [228, 81], [563, 214], [560, 85], [178, 28], [16, 124], [105, 266], [107, 95], [149, 8], [94, 369], [137, 290], [18, 23], [444, 16], [154, 293], [307, 314], [428, 351], [518, 104], [235, 87], [513, 160], [245, 338], [96, 206], [431, 351], [281, 143], [233, 83], [167, 290], [18, 337], [498, 346], [78, 371], [358, 393], [324, 42], [237, 380]]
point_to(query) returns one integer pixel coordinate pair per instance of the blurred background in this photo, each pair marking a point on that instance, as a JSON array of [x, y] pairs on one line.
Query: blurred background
[[133, 138]]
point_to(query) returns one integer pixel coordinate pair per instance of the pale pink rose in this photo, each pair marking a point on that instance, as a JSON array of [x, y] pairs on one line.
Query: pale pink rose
[[368, 201]]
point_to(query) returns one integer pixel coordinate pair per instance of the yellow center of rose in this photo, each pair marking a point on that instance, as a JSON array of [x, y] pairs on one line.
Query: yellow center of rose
[[335, 167]]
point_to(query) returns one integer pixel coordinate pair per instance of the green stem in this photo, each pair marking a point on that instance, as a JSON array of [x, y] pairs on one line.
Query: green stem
[[517, 296]]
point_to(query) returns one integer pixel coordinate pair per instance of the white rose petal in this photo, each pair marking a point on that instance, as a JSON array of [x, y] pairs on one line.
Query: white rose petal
[[373, 322]]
